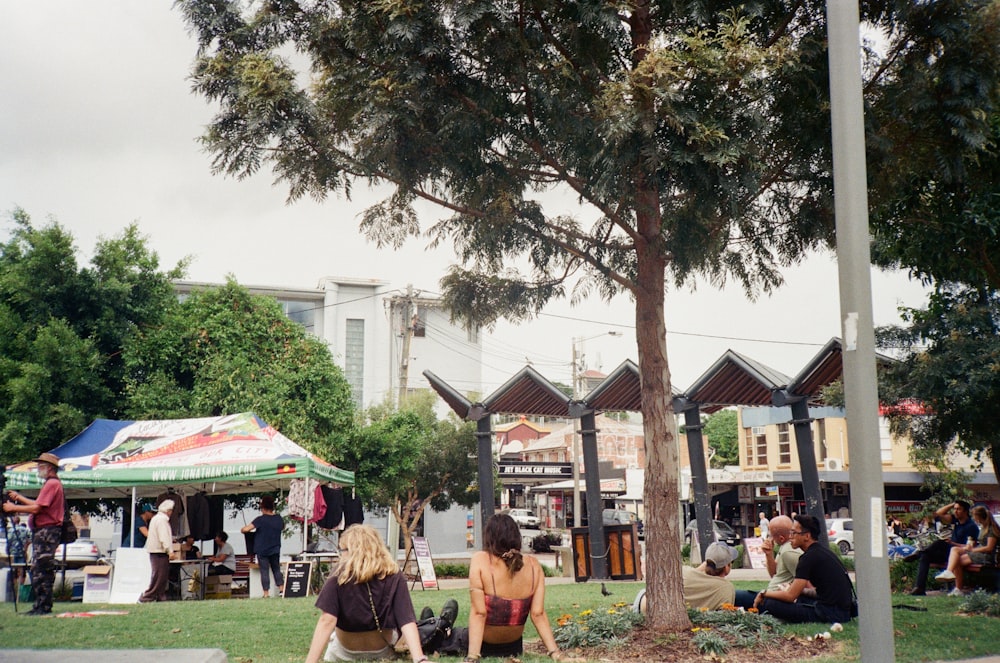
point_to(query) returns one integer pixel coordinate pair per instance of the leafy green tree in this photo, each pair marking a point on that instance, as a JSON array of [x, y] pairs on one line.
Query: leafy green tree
[[62, 329], [722, 433], [224, 350], [950, 364], [695, 137], [945, 228], [406, 460]]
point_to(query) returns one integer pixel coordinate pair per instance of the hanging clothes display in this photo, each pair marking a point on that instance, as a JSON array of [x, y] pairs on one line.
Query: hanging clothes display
[[334, 500], [305, 501], [354, 512], [216, 515], [178, 524], [198, 517]]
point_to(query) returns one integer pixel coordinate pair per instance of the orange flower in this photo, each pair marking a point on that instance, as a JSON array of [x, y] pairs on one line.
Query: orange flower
[[753, 610]]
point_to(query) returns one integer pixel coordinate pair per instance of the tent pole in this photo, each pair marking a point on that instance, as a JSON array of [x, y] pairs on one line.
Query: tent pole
[[131, 520]]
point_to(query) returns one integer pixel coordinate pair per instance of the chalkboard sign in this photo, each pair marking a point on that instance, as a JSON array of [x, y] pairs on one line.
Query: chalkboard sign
[[297, 576]]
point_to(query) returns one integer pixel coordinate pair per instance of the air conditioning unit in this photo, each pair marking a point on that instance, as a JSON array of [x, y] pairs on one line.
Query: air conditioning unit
[[833, 465]]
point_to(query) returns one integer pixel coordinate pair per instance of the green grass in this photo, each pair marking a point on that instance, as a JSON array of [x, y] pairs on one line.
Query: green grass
[[278, 630]]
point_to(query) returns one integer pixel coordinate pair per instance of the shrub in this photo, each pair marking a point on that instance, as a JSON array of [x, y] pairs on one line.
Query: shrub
[[602, 626], [544, 542], [848, 562], [981, 602], [451, 570], [902, 575], [715, 631]]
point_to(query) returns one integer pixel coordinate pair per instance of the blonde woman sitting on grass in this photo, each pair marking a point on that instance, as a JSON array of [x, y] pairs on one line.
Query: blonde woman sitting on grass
[[366, 604]]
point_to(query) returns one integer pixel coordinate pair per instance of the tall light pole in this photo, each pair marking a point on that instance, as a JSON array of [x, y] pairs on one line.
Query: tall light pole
[[860, 384], [578, 363]]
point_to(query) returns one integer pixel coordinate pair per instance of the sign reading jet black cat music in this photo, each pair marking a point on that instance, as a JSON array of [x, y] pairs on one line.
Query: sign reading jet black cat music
[[553, 471]]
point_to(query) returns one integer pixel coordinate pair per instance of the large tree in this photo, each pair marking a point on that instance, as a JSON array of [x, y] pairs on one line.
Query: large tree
[[63, 328], [695, 137], [405, 460], [225, 350], [943, 225]]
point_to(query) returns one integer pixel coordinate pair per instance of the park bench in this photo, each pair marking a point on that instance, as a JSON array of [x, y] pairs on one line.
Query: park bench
[[986, 576]]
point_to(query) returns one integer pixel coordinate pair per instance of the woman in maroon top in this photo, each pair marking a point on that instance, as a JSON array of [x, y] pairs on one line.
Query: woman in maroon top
[[366, 605], [505, 589]]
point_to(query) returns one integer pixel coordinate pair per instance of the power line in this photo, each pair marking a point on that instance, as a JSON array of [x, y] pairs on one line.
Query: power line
[[679, 333]]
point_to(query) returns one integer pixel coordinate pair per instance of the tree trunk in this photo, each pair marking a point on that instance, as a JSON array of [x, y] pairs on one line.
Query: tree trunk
[[664, 585]]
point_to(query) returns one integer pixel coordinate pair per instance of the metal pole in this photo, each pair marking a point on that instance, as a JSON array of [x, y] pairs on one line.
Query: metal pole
[[699, 474], [484, 444], [595, 515], [576, 443], [875, 626]]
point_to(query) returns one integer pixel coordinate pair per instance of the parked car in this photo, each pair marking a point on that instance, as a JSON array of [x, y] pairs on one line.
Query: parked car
[[524, 518], [618, 517], [723, 532], [79, 553], [840, 531]]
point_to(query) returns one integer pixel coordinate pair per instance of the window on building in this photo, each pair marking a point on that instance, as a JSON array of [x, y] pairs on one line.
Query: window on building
[[755, 439], [420, 322], [299, 311], [784, 445], [354, 360], [821, 450], [760, 436], [884, 440]]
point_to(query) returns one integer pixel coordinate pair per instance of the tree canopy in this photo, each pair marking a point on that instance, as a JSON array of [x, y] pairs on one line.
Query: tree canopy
[[63, 327], [407, 459], [723, 436], [225, 350], [695, 137]]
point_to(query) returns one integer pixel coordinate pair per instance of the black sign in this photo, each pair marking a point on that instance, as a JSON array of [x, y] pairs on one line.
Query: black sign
[[553, 471], [297, 579]]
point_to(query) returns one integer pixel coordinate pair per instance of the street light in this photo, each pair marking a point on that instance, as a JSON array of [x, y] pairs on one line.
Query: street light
[[578, 364]]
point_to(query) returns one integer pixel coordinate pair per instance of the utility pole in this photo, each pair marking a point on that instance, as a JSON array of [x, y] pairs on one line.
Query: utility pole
[[875, 627], [404, 358], [576, 441]]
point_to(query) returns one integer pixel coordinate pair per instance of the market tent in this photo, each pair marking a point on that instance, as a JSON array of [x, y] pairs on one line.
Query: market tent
[[226, 455]]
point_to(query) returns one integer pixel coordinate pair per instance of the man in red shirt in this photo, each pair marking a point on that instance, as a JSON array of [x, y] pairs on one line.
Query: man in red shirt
[[46, 518]]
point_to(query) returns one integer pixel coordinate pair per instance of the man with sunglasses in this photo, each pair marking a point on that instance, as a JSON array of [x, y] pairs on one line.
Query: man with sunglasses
[[818, 566]]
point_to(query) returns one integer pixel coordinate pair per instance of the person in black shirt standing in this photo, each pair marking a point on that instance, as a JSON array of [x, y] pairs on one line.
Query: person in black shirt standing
[[818, 566]]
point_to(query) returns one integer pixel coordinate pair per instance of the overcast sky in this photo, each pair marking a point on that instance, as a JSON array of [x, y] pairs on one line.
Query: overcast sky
[[98, 129]]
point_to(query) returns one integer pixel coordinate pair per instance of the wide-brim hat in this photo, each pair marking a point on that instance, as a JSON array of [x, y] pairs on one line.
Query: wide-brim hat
[[49, 458]]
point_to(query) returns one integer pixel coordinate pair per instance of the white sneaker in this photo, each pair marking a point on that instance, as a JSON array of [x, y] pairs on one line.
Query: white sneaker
[[945, 575], [956, 592]]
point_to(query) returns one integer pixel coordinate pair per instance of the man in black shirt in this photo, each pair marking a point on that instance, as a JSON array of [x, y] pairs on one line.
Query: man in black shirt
[[818, 566]]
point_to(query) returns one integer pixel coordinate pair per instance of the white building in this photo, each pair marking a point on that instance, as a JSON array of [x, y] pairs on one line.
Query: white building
[[368, 325]]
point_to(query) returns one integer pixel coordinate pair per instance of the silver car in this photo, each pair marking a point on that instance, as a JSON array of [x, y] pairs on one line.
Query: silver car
[[524, 518], [79, 553]]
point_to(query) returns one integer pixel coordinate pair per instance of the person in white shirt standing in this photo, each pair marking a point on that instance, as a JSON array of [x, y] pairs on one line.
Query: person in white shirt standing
[[159, 545]]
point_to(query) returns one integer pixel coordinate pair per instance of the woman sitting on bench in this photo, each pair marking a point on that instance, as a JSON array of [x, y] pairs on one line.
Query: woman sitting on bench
[[982, 551]]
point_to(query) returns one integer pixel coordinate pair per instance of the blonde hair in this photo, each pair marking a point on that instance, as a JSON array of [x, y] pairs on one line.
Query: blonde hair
[[363, 556], [991, 525]]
